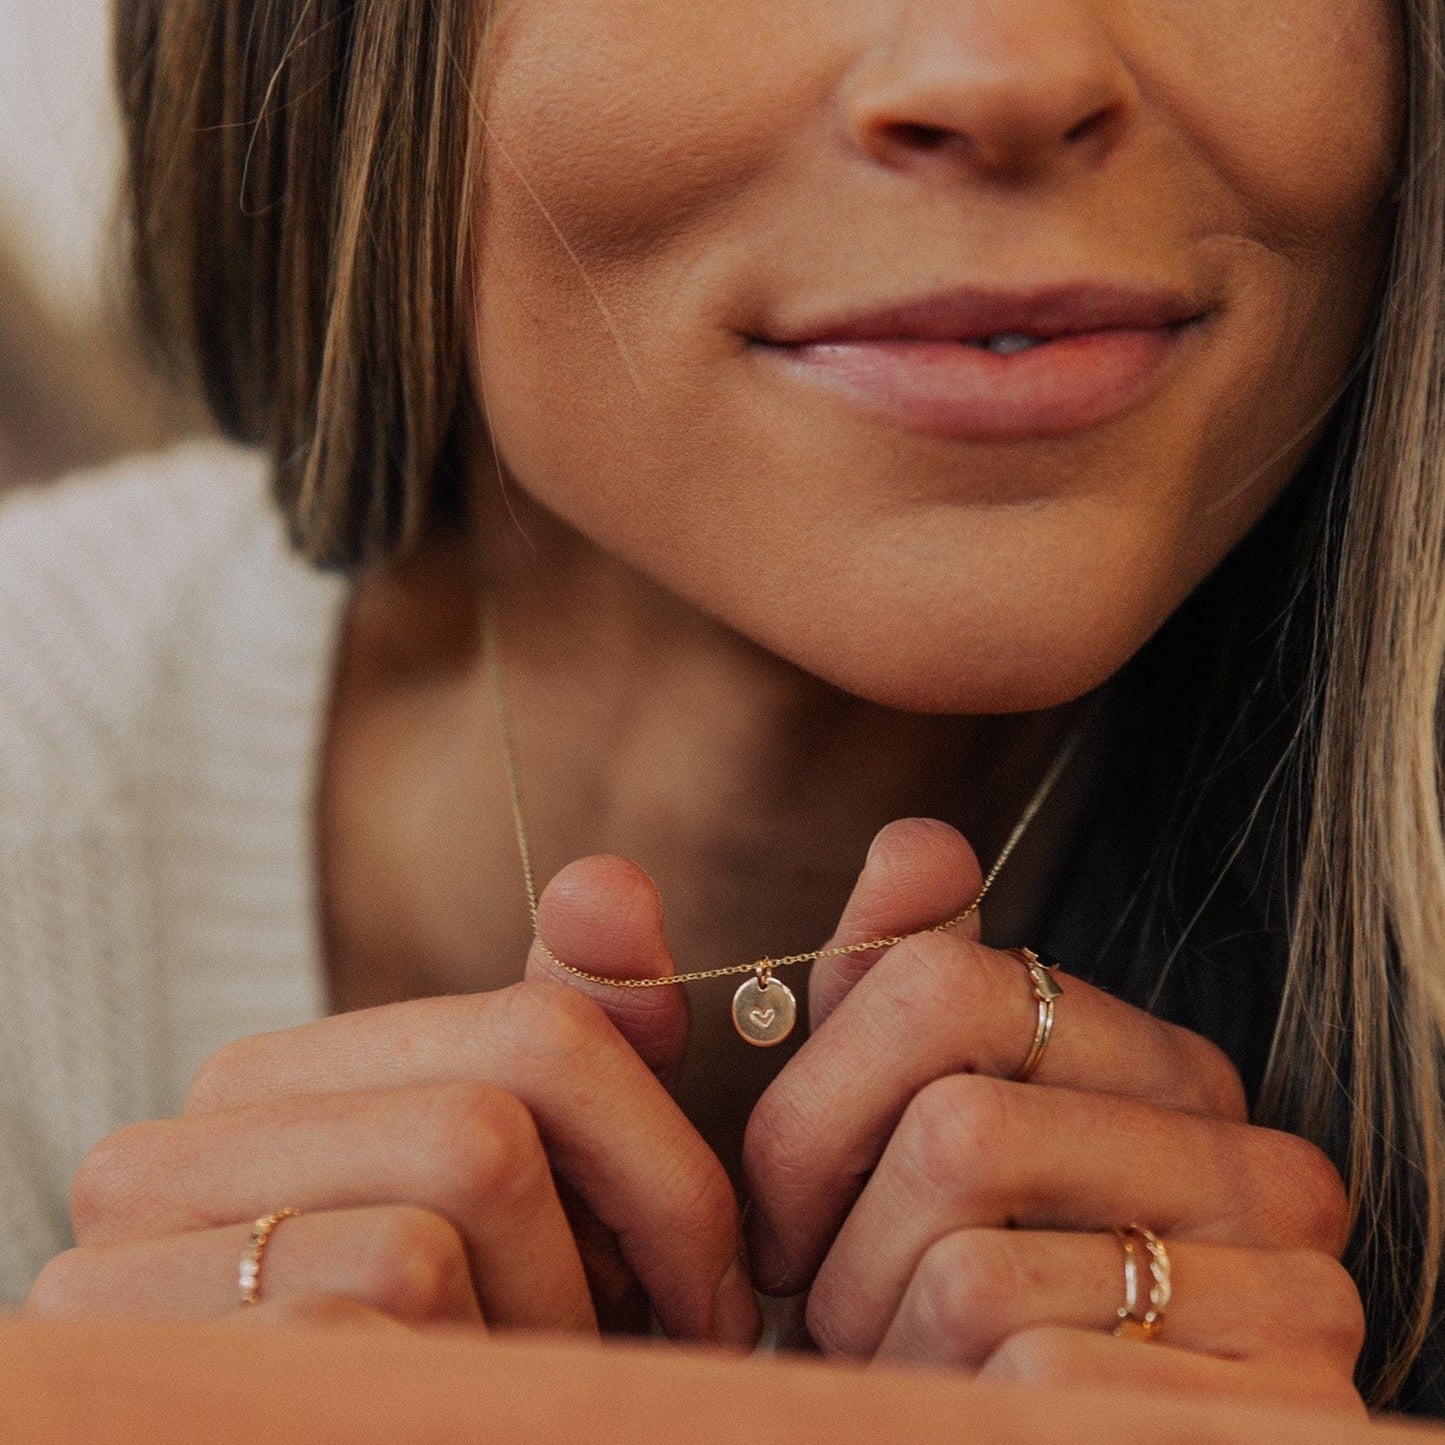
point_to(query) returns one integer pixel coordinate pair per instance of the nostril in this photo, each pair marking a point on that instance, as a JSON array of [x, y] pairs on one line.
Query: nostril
[[919, 137], [1089, 123]]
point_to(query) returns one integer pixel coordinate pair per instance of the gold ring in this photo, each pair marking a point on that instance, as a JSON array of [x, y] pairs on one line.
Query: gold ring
[[255, 1250], [1041, 969], [1135, 1323]]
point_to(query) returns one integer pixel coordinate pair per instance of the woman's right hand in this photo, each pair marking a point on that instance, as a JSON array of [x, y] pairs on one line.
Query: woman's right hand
[[419, 1141]]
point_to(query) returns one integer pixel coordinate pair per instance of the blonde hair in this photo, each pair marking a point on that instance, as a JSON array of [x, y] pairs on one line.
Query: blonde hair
[[1364, 1002], [301, 175], [300, 178]]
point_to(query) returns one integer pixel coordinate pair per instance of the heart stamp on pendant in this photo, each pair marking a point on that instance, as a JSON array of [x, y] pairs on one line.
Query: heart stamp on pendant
[[764, 1011]]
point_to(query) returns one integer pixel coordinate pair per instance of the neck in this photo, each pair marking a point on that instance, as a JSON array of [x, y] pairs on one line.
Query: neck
[[749, 789]]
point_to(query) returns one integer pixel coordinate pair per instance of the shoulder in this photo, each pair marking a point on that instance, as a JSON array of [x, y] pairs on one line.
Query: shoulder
[[124, 520], [104, 577]]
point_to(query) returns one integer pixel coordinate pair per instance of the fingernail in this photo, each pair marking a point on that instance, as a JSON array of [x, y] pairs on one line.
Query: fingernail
[[736, 1319], [931, 825], [873, 846], [770, 1264]]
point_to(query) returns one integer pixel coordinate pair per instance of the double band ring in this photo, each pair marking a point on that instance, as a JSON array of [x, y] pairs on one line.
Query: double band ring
[[249, 1278], [1136, 1321], [1047, 991]]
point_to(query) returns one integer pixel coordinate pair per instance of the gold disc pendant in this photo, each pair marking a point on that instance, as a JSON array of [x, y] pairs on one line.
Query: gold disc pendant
[[764, 1010]]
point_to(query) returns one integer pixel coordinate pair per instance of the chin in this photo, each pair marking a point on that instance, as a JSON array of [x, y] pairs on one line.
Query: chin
[[923, 674]]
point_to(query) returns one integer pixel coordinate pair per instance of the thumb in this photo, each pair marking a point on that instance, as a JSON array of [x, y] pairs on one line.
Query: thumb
[[918, 873], [604, 915]]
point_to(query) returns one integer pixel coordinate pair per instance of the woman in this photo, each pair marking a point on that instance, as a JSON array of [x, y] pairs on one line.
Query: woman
[[659, 337]]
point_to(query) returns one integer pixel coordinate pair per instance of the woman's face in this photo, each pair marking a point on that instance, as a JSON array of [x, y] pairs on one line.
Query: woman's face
[[735, 260]]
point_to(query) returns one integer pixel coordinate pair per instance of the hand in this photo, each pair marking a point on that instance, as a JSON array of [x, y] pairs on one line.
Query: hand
[[420, 1141], [945, 1215]]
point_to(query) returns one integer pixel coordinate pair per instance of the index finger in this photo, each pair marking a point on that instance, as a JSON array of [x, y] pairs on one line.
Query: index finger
[[919, 871], [937, 1004], [609, 1125]]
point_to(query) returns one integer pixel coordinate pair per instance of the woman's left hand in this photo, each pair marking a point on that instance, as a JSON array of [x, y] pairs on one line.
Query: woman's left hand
[[939, 1213]]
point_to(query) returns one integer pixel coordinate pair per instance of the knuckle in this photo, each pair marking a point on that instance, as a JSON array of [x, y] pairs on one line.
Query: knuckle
[[770, 1126], [214, 1083], [701, 1204], [832, 1327], [551, 1025], [412, 1263], [1322, 1298], [933, 981], [1218, 1087], [318, 1310], [1335, 1391], [963, 1287], [779, 1154], [954, 1135], [57, 1289], [1338, 1393], [1044, 1355], [114, 1181], [486, 1147], [1311, 1206]]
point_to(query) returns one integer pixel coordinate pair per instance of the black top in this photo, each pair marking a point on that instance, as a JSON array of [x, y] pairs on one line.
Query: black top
[[1106, 923]]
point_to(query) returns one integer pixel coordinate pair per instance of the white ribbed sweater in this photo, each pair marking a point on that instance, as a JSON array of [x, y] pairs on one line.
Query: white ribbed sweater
[[164, 672]]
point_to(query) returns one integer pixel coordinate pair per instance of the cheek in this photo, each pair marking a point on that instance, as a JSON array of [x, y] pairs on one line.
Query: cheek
[[630, 120], [1296, 105], [627, 122], [647, 154]]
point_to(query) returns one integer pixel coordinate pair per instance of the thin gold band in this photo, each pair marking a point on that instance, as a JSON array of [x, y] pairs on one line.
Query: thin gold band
[[1047, 991], [1134, 1322], [249, 1277]]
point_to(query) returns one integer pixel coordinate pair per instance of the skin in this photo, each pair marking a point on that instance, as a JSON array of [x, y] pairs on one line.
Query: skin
[[793, 623], [136, 1382]]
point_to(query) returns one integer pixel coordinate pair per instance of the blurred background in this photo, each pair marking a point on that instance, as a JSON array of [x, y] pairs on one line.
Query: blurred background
[[74, 390]]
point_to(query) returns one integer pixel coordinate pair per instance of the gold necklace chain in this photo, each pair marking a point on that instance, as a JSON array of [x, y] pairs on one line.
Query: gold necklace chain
[[763, 966]]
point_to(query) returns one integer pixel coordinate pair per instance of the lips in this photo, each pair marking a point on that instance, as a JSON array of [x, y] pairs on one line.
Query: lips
[[995, 366]]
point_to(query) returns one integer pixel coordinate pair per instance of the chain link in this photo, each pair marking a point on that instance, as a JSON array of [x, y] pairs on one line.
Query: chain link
[[492, 643]]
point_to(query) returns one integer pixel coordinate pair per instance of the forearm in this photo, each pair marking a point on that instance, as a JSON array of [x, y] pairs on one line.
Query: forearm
[[159, 1383]]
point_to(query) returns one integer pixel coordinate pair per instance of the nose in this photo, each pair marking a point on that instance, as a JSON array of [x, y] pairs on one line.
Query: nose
[[1000, 88]]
